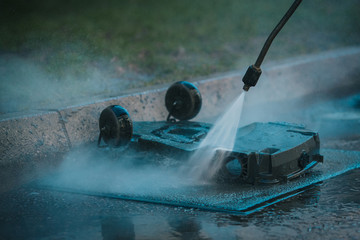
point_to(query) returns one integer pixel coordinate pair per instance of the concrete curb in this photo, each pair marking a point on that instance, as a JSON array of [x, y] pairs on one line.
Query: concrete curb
[[44, 133]]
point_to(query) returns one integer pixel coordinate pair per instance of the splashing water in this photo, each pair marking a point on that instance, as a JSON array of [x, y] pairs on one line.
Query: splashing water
[[221, 135]]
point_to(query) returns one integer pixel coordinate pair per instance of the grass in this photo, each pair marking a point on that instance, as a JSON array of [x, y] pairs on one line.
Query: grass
[[165, 41]]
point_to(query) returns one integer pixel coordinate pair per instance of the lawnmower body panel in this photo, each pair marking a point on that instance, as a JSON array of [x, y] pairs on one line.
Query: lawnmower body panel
[[267, 152]]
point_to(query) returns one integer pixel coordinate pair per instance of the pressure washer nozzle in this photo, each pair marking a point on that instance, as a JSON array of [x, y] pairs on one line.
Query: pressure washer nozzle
[[246, 87], [251, 77]]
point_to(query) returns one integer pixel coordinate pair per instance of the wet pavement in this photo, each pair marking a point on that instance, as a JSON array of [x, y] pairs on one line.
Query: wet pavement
[[328, 210]]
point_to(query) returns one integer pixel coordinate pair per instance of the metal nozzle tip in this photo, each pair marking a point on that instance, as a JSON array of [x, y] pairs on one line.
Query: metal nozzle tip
[[246, 87]]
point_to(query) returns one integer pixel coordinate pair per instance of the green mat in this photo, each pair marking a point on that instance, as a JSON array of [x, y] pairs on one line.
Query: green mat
[[162, 182]]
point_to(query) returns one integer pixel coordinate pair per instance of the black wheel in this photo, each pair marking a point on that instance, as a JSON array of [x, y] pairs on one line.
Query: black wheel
[[233, 170], [183, 100], [116, 127]]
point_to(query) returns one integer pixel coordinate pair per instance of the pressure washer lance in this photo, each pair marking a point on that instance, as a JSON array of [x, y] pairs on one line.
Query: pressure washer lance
[[253, 73]]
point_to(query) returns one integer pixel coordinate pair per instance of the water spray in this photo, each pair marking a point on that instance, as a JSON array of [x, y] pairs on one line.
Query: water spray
[[253, 73]]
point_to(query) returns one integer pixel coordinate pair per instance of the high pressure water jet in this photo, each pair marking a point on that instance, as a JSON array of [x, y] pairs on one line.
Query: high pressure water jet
[[253, 73]]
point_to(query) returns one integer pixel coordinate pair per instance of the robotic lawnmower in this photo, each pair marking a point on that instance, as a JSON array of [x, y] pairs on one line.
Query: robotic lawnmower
[[263, 152]]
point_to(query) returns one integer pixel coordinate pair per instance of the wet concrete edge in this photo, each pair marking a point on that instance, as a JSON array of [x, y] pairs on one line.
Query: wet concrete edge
[[38, 138]]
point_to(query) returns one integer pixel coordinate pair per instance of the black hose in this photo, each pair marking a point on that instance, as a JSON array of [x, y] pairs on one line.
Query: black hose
[[276, 30], [253, 73]]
